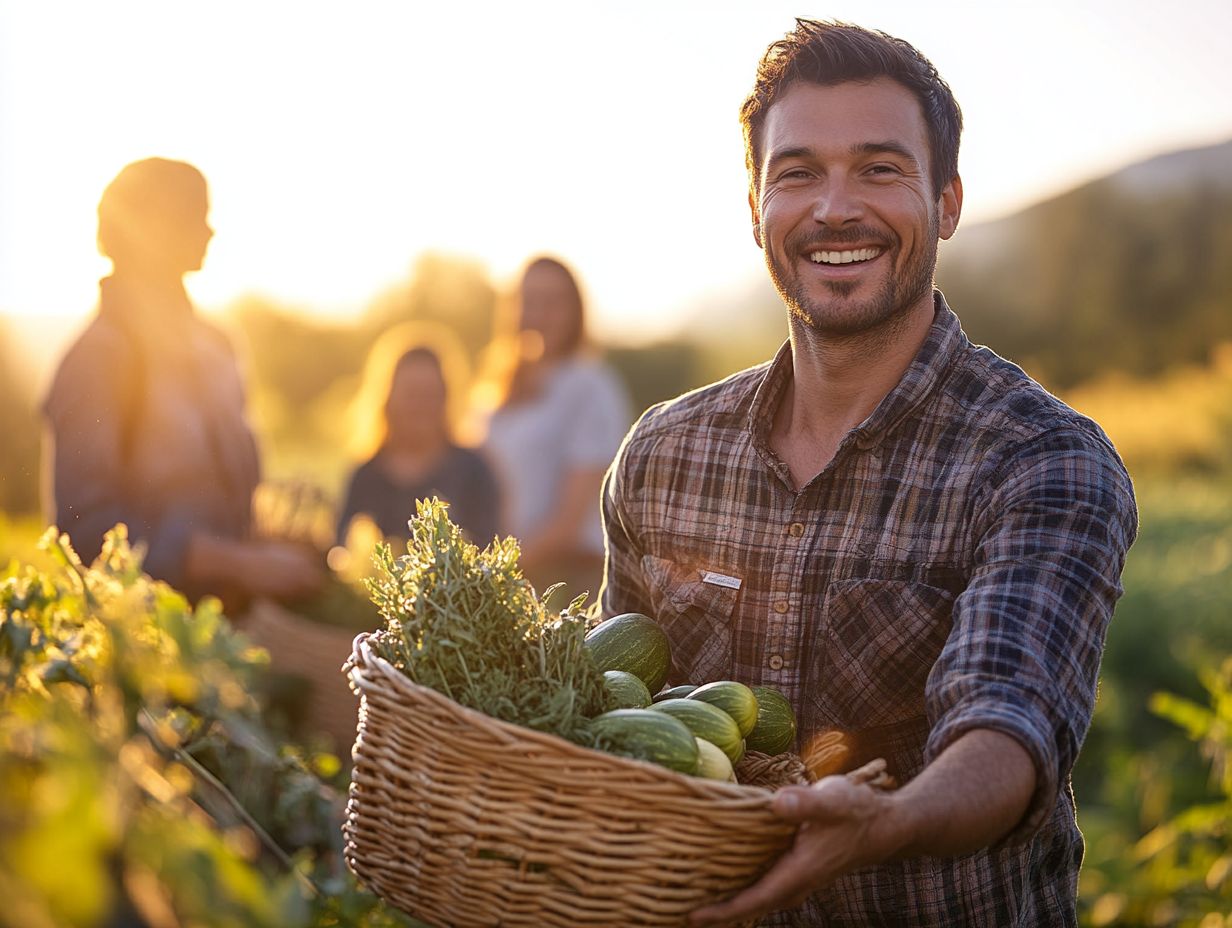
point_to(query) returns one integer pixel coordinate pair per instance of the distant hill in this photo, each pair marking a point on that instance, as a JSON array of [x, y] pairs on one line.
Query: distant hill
[[1129, 272]]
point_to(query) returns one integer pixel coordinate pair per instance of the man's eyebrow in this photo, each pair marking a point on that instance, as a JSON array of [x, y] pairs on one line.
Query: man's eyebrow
[[787, 154], [885, 148], [888, 147]]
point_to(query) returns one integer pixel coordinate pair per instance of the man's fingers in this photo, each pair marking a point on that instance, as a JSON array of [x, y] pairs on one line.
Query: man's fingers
[[825, 800], [832, 813], [788, 879]]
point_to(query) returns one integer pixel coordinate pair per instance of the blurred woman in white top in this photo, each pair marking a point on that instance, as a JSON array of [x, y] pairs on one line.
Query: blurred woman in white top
[[559, 416]]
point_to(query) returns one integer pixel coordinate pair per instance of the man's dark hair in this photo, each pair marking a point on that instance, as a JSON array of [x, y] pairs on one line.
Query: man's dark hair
[[830, 53]]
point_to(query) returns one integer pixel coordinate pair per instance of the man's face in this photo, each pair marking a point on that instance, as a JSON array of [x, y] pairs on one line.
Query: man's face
[[847, 217]]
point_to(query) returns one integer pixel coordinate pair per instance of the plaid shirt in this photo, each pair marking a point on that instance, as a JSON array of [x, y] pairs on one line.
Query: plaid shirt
[[954, 567]]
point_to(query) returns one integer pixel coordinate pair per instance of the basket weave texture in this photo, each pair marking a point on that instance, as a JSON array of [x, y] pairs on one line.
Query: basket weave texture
[[302, 648], [461, 820]]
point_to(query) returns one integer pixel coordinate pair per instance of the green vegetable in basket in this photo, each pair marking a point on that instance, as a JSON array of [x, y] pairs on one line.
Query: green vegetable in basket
[[775, 731], [464, 621], [649, 736], [736, 699], [712, 763], [625, 691]]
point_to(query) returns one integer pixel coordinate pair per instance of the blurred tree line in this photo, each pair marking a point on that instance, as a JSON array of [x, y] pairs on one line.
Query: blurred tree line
[[1129, 273], [19, 434]]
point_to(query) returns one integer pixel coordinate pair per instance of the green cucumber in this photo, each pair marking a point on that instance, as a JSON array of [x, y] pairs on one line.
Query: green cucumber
[[775, 731], [706, 721], [624, 690], [634, 643], [647, 735], [675, 692], [736, 699], [712, 763]]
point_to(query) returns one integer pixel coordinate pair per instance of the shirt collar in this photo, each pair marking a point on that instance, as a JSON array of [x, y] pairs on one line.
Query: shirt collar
[[944, 340]]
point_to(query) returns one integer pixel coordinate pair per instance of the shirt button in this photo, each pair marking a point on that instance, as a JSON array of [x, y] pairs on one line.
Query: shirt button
[[776, 662], [781, 606], [796, 529]]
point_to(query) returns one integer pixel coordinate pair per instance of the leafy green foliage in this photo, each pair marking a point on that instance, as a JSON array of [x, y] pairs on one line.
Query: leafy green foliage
[[466, 623], [1138, 772], [1180, 872], [138, 782]]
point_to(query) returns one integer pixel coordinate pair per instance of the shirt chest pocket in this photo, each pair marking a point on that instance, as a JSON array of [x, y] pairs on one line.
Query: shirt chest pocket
[[696, 617], [881, 640]]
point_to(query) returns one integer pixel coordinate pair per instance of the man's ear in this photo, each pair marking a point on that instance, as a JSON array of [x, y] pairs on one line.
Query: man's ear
[[949, 207], [756, 220]]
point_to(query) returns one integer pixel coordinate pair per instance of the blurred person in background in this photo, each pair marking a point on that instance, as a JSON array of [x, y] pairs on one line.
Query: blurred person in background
[[406, 410], [559, 415], [145, 416]]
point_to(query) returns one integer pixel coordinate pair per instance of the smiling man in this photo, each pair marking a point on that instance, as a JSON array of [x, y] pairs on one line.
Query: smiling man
[[900, 530]]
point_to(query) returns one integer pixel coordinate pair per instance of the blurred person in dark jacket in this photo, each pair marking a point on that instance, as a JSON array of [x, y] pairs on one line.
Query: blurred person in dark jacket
[[145, 416]]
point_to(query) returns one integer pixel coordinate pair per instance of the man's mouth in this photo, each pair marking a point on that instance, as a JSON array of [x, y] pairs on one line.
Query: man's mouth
[[849, 256]]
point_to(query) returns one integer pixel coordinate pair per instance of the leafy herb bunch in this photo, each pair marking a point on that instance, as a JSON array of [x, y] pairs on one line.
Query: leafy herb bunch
[[466, 623]]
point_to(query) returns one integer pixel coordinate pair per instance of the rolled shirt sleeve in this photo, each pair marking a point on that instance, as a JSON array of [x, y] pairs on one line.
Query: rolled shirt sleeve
[[1052, 526]]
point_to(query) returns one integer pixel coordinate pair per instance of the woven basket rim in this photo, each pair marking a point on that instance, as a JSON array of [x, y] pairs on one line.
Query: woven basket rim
[[368, 670]]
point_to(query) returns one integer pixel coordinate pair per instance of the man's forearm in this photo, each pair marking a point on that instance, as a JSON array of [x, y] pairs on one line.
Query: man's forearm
[[971, 796]]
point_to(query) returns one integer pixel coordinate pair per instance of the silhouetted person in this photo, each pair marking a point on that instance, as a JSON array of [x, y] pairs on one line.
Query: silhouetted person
[[558, 422], [145, 416], [410, 383]]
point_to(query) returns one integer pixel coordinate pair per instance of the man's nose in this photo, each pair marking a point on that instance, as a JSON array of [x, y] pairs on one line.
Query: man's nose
[[837, 202]]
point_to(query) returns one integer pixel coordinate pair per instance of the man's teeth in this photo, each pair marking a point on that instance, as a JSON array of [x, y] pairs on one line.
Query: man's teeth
[[844, 257]]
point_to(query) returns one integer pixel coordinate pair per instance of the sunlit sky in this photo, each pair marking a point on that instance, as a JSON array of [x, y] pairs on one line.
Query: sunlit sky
[[341, 140]]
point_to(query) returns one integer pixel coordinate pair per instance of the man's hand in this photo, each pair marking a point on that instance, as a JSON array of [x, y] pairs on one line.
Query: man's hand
[[843, 826], [973, 794]]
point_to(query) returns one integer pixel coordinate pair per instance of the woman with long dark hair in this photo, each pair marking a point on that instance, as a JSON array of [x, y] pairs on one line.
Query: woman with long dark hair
[[560, 414], [405, 435]]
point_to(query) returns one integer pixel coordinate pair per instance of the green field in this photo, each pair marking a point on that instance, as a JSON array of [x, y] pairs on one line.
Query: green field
[[1154, 782]]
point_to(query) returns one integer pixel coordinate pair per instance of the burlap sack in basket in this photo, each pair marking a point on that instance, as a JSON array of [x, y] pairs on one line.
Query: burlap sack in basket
[[463, 820], [302, 648]]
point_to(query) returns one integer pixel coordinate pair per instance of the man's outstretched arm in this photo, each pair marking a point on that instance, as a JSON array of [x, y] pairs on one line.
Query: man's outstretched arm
[[969, 797]]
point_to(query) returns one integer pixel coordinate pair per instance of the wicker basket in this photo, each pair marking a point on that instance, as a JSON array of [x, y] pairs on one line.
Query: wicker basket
[[463, 820], [302, 648]]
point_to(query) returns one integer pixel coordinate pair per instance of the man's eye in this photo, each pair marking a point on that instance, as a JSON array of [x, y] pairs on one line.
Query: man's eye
[[884, 169]]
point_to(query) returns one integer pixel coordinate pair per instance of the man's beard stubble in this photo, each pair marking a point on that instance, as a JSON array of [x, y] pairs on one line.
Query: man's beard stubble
[[900, 291]]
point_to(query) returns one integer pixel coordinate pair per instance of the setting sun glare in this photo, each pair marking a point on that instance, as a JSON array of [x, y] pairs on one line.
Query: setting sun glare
[[339, 143]]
